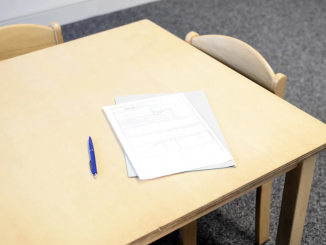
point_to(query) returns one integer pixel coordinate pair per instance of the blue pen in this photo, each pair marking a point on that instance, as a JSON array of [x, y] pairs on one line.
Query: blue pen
[[92, 162]]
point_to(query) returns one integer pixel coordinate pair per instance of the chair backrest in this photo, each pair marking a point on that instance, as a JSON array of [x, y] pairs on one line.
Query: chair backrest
[[25, 38], [242, 58]]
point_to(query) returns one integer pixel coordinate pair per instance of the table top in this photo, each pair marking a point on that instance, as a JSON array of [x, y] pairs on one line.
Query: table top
[[51, 101]]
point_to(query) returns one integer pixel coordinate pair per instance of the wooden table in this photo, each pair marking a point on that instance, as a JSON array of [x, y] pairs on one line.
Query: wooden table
[[51, 101]]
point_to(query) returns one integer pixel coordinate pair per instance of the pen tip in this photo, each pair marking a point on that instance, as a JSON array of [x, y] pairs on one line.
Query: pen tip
[[95, 176]]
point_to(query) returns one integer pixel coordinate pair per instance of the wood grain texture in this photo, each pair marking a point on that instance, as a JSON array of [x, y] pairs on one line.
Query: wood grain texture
[[25, 38], [237, 55], [48, 195], [188, 234], [247, 61], [279, 85], [57, 32], [262, 219], [190, 36], [295, 202], [263, 193]]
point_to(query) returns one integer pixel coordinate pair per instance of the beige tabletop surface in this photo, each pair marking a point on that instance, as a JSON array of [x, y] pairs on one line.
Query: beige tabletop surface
[[51, 101]]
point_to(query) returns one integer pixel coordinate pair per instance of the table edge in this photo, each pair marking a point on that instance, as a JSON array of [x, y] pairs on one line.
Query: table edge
[[174, 225]]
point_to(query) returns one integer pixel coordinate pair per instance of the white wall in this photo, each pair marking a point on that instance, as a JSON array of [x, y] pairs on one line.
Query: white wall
[[62, 11]]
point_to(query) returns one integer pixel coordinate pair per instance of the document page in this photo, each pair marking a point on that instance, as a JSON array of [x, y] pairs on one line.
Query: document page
[[165, 135], [201, 104]]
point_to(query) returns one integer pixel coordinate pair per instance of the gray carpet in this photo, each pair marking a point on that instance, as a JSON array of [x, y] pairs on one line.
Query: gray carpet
[[291, 35]]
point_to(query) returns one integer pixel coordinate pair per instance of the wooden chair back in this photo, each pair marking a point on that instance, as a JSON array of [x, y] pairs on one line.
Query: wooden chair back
[[25, 38], [242, 58]]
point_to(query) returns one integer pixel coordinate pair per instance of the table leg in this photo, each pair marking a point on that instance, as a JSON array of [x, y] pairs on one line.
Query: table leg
[[188, 234], [295, 201], [263, 200]]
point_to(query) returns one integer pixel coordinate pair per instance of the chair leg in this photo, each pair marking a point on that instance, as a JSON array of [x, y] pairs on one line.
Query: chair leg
[[188, 234], [263, 200], [295, 202]]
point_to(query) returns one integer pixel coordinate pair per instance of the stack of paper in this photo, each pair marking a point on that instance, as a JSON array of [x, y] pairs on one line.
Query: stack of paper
[[166, 134]]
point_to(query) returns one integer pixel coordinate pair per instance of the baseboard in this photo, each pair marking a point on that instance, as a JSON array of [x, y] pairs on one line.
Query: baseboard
[[75, 12]]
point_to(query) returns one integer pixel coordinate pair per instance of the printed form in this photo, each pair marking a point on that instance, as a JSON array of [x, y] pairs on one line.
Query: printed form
[[165, 135]]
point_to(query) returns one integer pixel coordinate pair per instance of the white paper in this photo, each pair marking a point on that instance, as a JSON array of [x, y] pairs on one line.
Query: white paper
[[199, 101], [165, 135]]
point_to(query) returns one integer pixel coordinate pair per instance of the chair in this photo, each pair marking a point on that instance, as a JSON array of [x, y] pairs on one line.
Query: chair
[[25, 38], [247, 61]]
